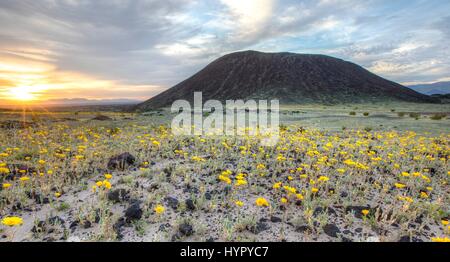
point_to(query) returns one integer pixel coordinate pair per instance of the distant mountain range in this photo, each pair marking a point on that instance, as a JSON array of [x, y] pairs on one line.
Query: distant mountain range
[[440, 88], [70, 102], [291, 78], [85, 102]]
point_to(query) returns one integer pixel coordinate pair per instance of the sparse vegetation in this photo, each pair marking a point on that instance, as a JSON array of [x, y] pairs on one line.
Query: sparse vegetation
[[315, 184], [438, 116]]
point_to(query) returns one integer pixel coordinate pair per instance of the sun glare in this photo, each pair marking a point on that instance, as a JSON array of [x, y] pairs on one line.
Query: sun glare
[[21, 94]]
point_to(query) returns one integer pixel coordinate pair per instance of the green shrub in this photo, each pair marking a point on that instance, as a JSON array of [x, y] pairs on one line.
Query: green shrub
[[366, 114], [352, 113]]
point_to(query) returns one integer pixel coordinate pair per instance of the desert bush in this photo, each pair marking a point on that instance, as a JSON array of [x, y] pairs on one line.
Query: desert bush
[[438, 116], [352, 113], [366, 114], [414, 115]]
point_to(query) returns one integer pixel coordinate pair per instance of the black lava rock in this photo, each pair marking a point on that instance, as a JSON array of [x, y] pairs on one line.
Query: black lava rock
[[331, 229], [133, 212], [121, 161], [303, 228], [275, 219], [190, 204], [172, 202], [208, 196], [118, 195], [186, 229], [258, 228]]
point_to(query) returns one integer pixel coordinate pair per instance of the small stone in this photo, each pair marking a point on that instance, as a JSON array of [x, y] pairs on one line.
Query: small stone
[[121, 161], [275, 219], [172, 202], [118, 195], [134, 212], [190, 204], [302, 229], [331, 230], [259, 227], [208, 196], [186, 229]]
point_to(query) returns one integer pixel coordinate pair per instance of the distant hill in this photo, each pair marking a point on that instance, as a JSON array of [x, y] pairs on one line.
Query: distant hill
[[85, 102], [438, 88], [71, 102], [291, 78]]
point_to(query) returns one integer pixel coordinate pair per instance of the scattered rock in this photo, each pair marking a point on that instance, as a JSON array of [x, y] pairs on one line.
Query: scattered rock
[[121, 161], [258, 228], [409, 239], [118, 227], [164, 227], [275, 219], [190, 204], [118, 195], [331, 230], [74, 225], [172, 202], [303, 228], [87, 224], [208, 196], [133, 212], [186, 229], [344, 239]]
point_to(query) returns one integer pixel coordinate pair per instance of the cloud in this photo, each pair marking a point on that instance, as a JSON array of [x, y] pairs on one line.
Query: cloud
[[249, 18], [148, 45]]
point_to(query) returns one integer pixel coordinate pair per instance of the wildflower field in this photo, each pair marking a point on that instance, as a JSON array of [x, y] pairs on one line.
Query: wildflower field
[[127, 178]]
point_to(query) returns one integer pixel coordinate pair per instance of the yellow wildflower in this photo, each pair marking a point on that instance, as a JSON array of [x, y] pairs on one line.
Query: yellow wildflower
[[399, 185], [440, 239], [323, 179], [24, 178], [12, 221], [159, 209], [239, 203], [260, 201], [106, 184]]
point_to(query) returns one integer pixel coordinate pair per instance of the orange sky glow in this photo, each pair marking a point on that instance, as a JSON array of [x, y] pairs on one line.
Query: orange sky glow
[[32, 78]]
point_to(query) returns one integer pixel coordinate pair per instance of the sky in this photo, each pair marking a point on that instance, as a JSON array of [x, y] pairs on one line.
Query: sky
[[109, 49]]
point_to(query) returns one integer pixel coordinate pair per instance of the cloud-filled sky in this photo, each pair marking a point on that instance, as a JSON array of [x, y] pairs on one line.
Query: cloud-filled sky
[[135, 49]]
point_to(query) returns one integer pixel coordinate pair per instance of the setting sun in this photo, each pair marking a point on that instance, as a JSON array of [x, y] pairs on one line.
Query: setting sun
[[22, 94]]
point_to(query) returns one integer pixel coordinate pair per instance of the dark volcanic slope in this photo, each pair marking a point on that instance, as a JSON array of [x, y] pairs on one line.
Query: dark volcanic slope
[[292, 78]]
